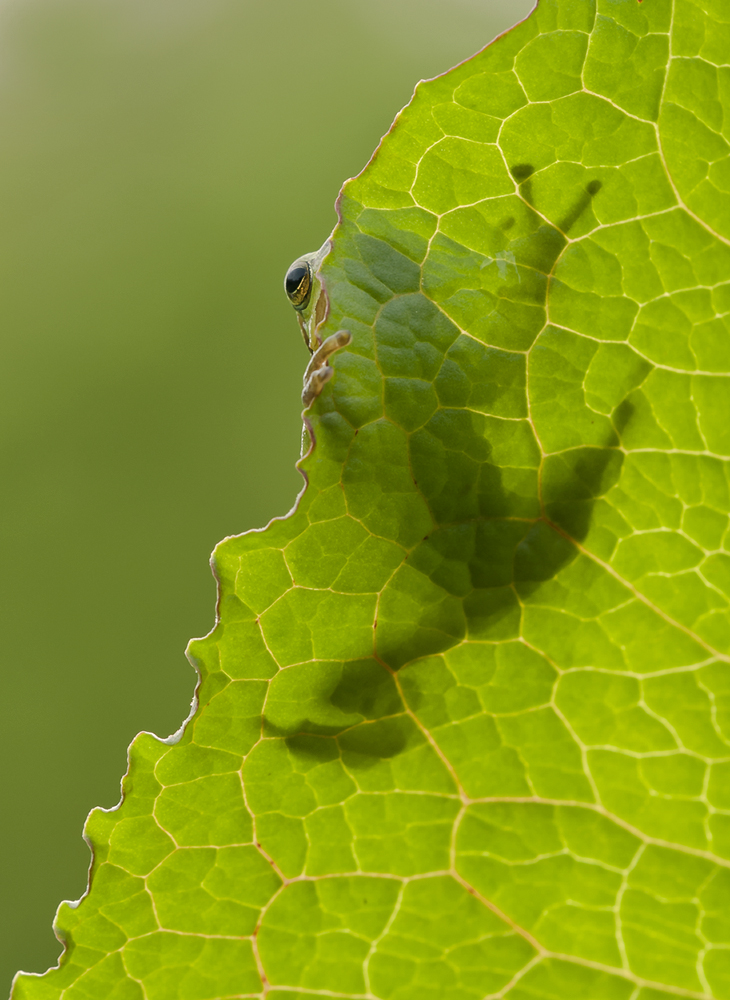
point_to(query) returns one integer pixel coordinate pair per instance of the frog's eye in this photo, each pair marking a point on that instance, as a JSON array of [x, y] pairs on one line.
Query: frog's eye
[[298, 284]]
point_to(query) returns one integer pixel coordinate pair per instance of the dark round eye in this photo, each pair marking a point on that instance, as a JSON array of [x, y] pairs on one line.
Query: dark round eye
[[298, 284]]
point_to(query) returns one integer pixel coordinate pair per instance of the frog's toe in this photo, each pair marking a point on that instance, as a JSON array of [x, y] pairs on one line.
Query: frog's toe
[[328, 347], [340, 339], [314, 385], [318, 371]]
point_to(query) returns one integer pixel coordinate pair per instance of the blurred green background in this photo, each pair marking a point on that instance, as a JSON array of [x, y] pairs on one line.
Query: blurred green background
[[161, 164]]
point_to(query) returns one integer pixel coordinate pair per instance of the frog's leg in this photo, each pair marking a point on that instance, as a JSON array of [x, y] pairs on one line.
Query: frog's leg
[[318, 371]]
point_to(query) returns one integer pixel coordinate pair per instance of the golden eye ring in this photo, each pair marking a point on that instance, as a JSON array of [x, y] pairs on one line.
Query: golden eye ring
[[298, 284]]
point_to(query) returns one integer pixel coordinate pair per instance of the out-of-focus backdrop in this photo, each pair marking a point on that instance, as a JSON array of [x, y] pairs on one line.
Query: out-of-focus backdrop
[[161, 164]]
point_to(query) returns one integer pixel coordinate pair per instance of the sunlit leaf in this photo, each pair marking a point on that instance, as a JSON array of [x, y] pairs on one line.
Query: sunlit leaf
[[464, 722]]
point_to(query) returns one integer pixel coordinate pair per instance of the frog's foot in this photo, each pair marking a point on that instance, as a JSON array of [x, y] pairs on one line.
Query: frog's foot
[[318, 371]]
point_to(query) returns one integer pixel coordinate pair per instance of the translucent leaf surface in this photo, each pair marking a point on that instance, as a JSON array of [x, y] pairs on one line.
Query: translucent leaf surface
[[464, 721]]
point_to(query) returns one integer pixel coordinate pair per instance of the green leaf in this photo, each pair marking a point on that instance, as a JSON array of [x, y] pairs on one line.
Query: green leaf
[[464, 721]]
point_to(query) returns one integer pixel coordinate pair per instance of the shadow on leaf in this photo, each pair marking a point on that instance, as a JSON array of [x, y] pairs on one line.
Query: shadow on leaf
[[507, 519], [355, 704]]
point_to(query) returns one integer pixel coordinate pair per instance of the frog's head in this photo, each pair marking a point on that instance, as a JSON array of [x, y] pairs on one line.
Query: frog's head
[[307, 295]]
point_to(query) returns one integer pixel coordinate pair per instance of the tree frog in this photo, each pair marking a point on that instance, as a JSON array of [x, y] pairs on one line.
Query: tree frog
[[308, 297]]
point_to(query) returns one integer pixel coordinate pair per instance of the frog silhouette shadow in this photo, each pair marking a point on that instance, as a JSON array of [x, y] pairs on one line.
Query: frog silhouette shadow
[[502, 531]]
